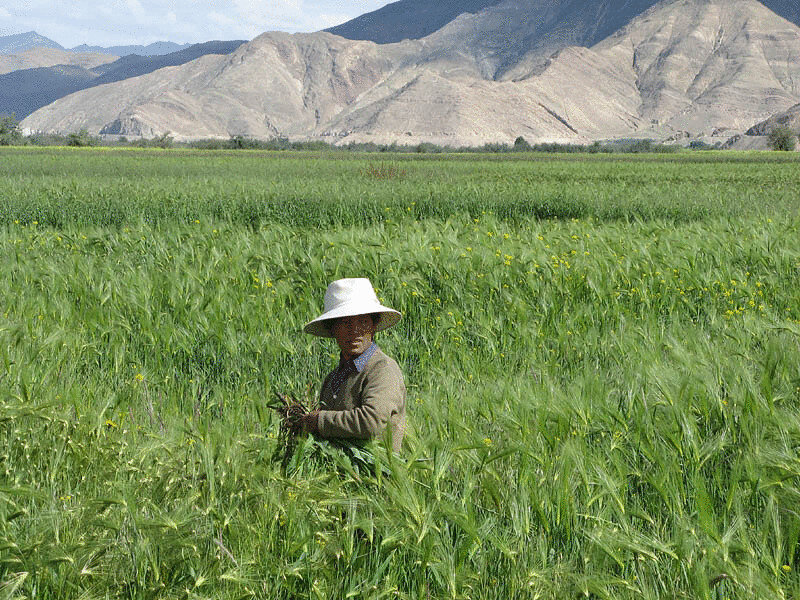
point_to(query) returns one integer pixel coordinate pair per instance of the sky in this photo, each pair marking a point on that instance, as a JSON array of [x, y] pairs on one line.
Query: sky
[[128, 22]]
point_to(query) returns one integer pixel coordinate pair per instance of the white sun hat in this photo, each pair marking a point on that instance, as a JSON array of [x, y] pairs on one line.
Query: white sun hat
[[349, 298]]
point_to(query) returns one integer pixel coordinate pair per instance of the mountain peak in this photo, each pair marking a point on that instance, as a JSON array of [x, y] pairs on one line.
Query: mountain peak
[[19, 42]]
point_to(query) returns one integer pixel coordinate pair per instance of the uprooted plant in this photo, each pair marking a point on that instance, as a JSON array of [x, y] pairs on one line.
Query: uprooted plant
[[290, 410]]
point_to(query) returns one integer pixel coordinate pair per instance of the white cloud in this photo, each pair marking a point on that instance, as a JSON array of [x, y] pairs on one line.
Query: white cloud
[[329, 20], [221, 20], [137, 10], [287, 15]]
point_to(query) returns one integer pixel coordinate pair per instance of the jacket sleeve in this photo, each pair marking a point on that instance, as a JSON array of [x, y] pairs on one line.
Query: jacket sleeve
[[382, 395]]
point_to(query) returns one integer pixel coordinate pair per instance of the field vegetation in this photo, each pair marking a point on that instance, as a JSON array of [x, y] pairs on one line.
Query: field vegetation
[[602, 356]]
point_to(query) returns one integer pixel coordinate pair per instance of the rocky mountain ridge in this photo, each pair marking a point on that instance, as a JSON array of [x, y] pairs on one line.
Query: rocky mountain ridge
[[154, 49], [50, 57], [21, 42], [789, 118]]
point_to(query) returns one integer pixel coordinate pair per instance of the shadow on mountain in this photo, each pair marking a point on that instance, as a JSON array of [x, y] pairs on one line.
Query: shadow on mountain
[[22, 92], [134, 65]]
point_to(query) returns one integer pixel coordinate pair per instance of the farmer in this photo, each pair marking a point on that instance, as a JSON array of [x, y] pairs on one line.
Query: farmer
[[364, 397]]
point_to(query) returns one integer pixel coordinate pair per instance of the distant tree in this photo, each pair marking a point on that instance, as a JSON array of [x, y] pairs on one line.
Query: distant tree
[[164, 140], [10, 134], [238, 142], [700, 145], [521, 144], [782, 138], [82, 138]]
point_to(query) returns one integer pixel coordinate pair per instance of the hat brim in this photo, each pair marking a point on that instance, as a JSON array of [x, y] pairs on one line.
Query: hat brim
[[320, 326]]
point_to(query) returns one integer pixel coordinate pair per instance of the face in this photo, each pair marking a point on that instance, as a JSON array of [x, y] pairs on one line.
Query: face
[[353, 334]]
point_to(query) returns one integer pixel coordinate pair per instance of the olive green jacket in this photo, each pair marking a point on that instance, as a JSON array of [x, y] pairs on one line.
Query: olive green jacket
[[365, 403]]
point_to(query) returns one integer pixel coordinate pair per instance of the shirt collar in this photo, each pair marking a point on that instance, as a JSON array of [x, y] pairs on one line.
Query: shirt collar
[[361, 361]]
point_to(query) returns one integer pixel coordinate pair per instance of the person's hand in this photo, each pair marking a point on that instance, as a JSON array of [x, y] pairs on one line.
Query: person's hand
[[308, 423]]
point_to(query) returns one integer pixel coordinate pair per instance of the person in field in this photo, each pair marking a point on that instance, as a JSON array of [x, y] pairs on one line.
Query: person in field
[[364, 397]]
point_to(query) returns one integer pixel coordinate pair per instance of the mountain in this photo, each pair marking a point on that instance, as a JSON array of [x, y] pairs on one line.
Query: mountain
[[278, 84], [704, 65], [23, 92], [509, 32], [154, 49], [580, 22], [789, 118], [13, 44], [497, 35], [682, 68], [50, 57], [134, 65]]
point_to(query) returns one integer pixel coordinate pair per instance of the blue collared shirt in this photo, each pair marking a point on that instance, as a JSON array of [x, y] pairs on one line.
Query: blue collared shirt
[[353, 364], [361, 361]]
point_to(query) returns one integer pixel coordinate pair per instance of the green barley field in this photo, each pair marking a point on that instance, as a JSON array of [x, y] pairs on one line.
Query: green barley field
[[602, 356]]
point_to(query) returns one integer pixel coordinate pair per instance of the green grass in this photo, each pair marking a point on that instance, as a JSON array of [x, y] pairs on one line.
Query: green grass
[[59, 187], [603, 405]]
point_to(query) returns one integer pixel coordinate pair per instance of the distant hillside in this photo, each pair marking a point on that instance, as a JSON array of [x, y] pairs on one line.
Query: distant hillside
[[25, 91], [50, 57], [22, 92], [789, 118], [13, 44], [154, 49], [133, 65]]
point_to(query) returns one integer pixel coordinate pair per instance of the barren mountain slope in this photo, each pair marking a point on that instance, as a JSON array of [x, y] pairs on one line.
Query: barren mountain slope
[[789, 118], [556, 107], [696, 66], [704, 64], [278, 84], [50, 57], [512, 39]]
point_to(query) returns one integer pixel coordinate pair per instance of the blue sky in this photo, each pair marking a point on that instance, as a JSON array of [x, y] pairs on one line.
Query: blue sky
[[122, 22]]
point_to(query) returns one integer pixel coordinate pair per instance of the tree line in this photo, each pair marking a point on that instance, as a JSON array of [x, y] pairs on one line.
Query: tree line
[[781, 138]]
